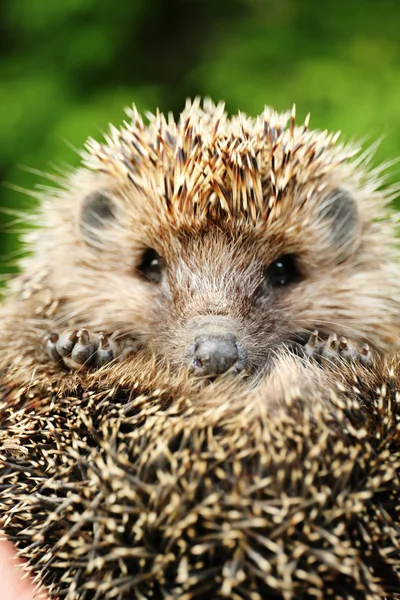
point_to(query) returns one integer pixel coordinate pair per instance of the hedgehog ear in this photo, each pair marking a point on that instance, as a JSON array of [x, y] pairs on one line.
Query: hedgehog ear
[[97, 212], [339, 209]]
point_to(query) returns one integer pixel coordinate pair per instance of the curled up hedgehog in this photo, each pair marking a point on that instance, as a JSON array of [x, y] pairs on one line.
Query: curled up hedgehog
[[172, 426]]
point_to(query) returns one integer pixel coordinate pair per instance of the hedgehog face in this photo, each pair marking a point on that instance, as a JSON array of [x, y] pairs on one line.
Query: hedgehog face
[[216, 242], [210, 294]]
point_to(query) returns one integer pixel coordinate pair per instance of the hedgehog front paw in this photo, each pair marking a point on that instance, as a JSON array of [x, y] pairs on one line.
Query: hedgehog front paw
[[337, 349], [79, 349]]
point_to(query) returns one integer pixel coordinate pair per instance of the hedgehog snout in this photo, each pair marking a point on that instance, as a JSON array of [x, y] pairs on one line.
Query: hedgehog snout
[[215, 354], [215, 350]]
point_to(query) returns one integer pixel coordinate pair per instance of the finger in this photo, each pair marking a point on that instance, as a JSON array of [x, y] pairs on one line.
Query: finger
[[14, 583]]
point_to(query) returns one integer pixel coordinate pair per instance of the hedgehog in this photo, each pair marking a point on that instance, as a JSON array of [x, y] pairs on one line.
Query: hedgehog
[[210, 242], [171, 427]]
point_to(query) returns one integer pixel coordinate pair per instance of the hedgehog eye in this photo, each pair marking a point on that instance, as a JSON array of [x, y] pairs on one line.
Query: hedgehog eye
[[282, 271], [152, 266]]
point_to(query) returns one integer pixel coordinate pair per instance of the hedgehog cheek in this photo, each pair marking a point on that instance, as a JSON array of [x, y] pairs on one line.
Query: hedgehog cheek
[[339, 210], [97, 212]]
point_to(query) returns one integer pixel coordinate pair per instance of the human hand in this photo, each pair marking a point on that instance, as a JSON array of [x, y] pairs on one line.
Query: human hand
[[13, 584]]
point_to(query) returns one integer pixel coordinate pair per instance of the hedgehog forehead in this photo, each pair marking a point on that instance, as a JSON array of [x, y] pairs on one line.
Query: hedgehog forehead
[[221, 245], [207, 165], [210, 251]]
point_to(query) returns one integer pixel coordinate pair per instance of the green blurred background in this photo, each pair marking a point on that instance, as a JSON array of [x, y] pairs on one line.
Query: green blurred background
[[69, 68]]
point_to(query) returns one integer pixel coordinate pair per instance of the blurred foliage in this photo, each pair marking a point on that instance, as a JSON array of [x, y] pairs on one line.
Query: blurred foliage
[[68, 68]]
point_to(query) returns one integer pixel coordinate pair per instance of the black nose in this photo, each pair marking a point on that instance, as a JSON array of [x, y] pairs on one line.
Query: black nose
[[213, 354]]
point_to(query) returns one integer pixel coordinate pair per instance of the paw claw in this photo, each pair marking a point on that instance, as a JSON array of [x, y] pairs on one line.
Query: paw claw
[[366, 356], [333, 343], [347, 350], [335, 350], [78, 349], [66, 342], [84, 348], [105, 350], [313, 344], [51, 347], [330, 349]]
